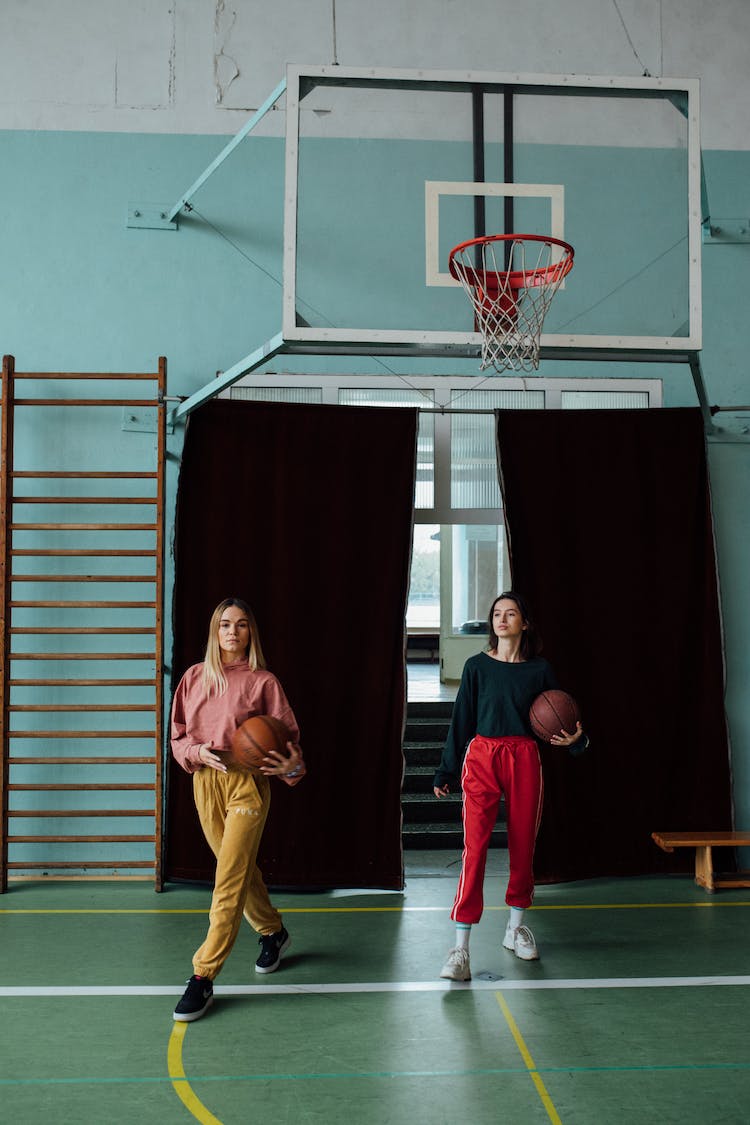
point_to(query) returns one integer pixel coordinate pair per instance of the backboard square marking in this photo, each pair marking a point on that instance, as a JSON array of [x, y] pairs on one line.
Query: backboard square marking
[[433, 189]]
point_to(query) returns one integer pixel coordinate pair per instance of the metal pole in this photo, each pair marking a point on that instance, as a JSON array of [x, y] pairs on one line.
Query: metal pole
[[508, 167], [477, 119], [229, 148]]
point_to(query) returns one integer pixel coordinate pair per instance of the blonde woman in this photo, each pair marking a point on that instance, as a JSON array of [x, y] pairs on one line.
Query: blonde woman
[[211, 701]]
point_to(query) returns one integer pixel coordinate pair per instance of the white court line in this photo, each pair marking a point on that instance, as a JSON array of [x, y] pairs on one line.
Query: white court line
[[498, 985]]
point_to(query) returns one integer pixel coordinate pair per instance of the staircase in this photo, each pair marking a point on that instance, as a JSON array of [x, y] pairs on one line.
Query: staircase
[[427, 822]]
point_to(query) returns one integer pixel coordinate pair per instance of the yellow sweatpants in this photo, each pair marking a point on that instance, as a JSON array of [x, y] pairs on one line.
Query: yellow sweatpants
[[233, 807]]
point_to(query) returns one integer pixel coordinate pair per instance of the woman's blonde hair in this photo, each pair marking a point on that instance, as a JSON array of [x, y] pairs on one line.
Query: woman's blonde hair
[[214, 680]]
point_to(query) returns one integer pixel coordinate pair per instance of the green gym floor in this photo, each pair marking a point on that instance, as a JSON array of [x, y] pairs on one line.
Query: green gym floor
[[637, 1012]]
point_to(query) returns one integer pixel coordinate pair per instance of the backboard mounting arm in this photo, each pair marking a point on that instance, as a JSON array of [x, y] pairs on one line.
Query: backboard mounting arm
[[248, 127]]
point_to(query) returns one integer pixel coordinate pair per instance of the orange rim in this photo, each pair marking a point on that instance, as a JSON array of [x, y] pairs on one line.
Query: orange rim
[[492, 281]]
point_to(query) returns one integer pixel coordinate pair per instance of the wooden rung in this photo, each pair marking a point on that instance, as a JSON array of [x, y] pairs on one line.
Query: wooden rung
[[81, 629], [83, 683], [80, 605], [84, 527], [82, 655], [19, 814], [82, 553], [83, 863], [80, 840], [86, 402], [150, 578], [103, 376], [99, 761], [82, 499], [82, 734], [63, 787], [57, 475], [36, 707]]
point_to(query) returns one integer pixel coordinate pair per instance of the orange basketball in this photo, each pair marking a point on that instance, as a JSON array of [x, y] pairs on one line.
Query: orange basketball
[[552, 712], [254, 738]]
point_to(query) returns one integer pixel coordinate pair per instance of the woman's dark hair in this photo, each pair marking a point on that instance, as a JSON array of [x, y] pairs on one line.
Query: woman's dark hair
[[531, 642]]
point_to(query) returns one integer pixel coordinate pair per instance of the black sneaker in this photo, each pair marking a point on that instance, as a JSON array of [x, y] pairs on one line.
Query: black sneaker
[[272, 946], [196, 999]]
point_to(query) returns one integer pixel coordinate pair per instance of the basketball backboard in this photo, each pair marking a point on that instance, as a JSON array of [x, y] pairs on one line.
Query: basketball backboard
[[387, 170]]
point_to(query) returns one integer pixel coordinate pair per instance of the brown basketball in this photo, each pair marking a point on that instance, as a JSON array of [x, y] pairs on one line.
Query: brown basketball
[[553, 712], [254, 738]]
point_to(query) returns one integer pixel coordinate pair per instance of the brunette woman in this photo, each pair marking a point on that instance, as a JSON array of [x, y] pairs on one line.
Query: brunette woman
[[491, 748]]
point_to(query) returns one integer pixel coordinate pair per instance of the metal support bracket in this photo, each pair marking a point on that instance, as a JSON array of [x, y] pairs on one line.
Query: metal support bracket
[[726, 231], [173, 211], [700, 390], [143, 420], [150, 216], [256, 359]]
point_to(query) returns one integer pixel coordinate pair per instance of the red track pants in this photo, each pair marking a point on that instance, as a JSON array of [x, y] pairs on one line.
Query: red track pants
[[493, 767]]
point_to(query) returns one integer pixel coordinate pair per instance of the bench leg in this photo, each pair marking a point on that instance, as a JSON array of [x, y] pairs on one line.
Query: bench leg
[[704, 872]]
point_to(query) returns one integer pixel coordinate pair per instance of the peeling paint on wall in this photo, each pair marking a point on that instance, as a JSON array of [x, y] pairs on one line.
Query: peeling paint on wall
[[226, 68], [172, 58], [144, 63]]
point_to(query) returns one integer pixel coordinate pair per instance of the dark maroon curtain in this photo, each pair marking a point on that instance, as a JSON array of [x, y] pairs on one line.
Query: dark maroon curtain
[[306, 513], [610, 534]]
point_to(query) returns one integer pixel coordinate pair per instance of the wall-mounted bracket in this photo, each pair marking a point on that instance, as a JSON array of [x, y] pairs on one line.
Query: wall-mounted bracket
[[143, 420], [150, 216], [726, 231], [173, 211], [226, 379]]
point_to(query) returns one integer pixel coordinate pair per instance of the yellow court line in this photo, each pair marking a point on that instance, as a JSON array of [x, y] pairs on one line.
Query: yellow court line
[[541, 1089], [179, 1080], [386, 909]]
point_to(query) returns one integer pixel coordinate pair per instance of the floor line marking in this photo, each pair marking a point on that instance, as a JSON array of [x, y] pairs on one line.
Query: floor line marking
[[476, 1072], [386, 909], [179, 1080], [531, 1067], [356, 987]]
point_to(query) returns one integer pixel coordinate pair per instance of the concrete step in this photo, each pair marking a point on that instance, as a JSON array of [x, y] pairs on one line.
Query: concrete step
[[425, 808], [427, 822], [418, 779], [430, 710], [426, 730], [438, 835], [422, 754]]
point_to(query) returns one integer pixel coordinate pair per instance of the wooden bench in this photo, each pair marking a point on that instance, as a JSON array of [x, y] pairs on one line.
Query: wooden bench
[[703, 842]]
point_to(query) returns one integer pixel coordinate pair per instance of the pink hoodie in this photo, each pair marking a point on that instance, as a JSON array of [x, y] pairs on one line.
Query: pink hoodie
[[197, 719]]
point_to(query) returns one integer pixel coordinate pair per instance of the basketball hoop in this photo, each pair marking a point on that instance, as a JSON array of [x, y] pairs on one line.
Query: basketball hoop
[[510, 297]]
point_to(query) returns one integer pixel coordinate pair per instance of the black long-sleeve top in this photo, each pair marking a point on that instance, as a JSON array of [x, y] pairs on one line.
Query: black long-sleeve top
[[493, 700]]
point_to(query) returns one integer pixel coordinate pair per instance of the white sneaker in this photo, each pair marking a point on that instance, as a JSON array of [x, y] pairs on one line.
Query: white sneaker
[[521, 941], [457, 965]]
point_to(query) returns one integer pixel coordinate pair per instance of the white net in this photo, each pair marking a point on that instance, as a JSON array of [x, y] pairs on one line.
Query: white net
[[510, 281]]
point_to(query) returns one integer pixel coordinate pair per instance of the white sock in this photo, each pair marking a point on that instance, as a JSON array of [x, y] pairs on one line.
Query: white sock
[[516, 917], [463, 933]]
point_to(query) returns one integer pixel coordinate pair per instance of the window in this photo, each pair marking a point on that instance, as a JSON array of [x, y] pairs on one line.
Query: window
[[279, 394], [423, 610], [473, 459], [478, 565]]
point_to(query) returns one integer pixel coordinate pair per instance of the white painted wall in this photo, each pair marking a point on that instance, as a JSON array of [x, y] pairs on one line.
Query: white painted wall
[[198, 66]]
